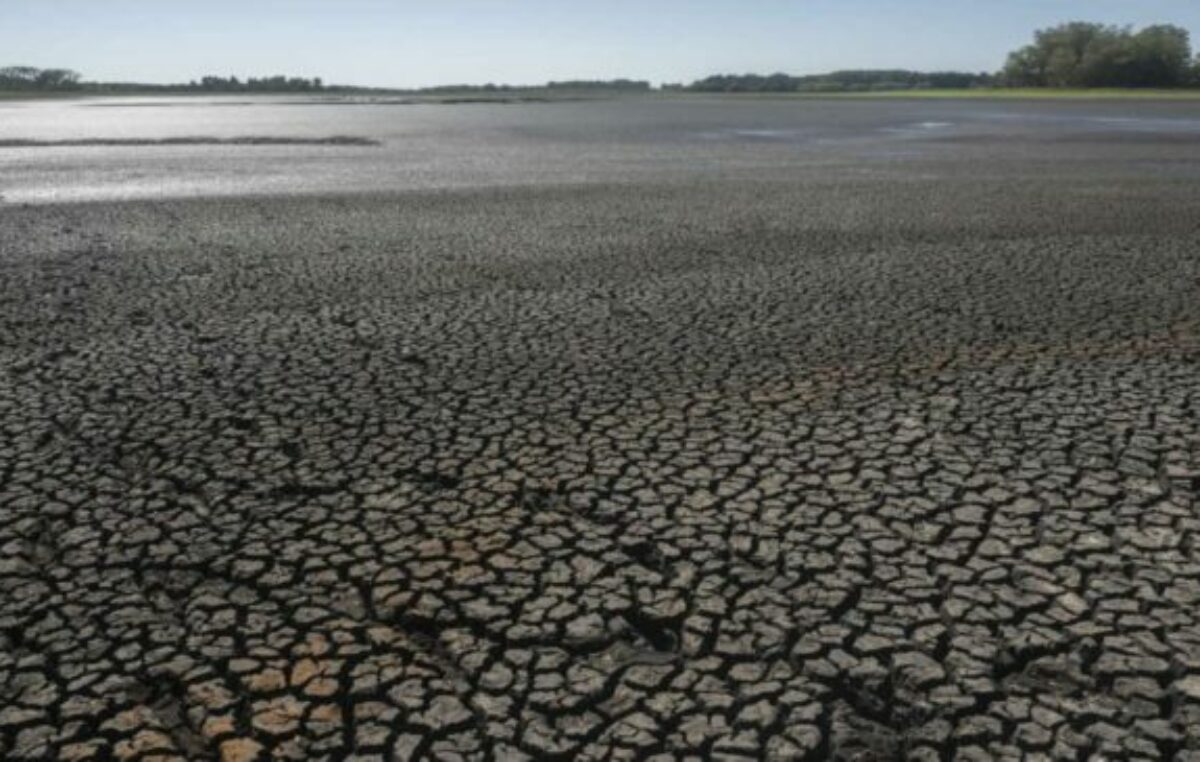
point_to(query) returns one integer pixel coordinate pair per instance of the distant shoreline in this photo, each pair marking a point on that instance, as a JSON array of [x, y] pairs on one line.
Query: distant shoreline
[[541, 96], [998, 93]]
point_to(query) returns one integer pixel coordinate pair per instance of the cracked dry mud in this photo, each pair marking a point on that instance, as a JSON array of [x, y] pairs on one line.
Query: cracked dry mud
[[855, 467]]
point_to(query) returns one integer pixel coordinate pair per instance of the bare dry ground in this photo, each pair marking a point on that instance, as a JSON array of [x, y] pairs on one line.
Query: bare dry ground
[[896, 461]]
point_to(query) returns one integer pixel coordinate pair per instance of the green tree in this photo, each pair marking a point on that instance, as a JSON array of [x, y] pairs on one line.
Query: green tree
[[1025, 68], [1161, 55], [1080, 54], [32, 78]]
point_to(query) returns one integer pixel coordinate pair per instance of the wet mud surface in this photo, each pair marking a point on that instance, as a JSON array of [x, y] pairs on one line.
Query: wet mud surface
[[865, 463]]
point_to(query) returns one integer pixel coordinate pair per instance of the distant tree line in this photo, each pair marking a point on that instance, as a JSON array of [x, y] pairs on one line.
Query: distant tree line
[[1076, 54], [29, 78], [1094, 55], [626, 85], [841, 81], [276, 84], [630, 85]]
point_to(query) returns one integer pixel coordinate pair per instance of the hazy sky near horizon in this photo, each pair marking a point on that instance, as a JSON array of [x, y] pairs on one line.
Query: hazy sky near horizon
[[405, 44]]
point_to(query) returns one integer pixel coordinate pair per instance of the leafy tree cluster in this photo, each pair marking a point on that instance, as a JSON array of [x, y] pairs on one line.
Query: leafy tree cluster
[[1077, 54], [276, 84], [601, 84], [628, 85], [490, 87], [841, 81], [29, 78], [1080, 54]]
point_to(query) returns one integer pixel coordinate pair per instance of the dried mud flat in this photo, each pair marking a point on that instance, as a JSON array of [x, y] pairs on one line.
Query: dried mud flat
[[884, 466]]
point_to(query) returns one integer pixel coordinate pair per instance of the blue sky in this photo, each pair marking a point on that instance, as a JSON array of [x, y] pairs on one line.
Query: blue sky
[[403, 43]]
